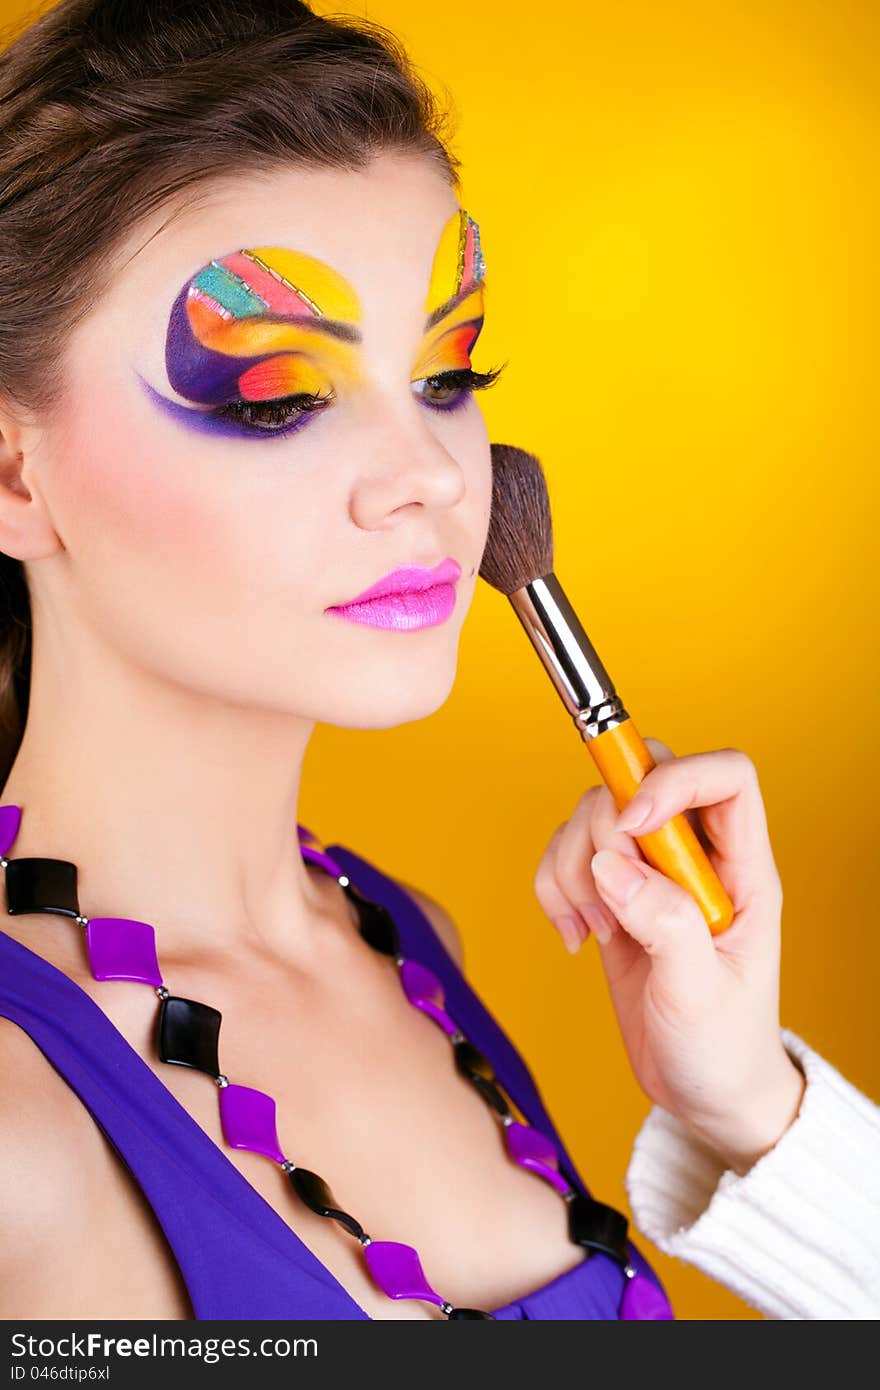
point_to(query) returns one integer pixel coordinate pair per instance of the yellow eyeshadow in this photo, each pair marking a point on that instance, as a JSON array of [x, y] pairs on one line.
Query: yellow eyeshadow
[[443, 344], [255, 337], [320, 286], [442, 285]]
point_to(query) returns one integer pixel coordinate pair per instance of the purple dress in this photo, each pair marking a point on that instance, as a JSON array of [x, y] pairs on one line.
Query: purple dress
[[237, 1257]]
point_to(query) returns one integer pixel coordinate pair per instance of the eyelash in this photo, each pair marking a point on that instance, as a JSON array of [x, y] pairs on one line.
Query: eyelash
[[259, 417]]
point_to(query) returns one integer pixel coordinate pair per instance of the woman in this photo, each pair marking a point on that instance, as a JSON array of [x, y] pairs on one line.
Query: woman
[[239, 300]]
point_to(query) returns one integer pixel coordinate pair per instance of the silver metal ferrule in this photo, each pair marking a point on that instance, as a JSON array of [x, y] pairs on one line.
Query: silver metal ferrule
[[568, 656]]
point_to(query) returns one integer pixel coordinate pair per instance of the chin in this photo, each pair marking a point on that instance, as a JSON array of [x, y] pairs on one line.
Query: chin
[[402, 698]]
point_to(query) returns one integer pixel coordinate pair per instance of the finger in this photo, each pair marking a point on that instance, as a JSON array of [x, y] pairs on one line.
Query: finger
[[665, 921], [662, 753], [606, 836], [577, 844], [574, 849], [563, 913], [724, 785], [564, 880]]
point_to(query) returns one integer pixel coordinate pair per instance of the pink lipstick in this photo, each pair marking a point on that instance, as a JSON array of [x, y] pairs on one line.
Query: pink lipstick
[[407, 598]]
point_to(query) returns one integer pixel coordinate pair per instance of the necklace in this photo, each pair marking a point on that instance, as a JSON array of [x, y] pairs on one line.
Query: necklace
[[187, 1033]]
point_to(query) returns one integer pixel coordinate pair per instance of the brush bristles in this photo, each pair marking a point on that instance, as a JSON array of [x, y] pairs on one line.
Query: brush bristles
[[519, 547]]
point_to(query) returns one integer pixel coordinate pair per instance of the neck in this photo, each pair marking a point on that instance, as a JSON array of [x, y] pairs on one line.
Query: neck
[[178, 809]]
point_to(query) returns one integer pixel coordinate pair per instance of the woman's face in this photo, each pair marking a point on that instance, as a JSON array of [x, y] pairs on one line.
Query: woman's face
[[207, 534]]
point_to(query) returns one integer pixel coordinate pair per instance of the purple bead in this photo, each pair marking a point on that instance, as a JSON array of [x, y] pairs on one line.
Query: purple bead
[[643, 1299], [424, 991], [536, 1152], [318, 856], [398, 1272], [248, 1120], [122, 949], [10, 820]]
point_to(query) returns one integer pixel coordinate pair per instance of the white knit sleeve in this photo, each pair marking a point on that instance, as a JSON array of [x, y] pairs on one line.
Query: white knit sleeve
[[798, 1235]]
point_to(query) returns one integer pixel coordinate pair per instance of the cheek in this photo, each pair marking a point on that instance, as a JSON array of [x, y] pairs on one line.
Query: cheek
[[482, 484], [191, 550], [474, 454], [130, 486]]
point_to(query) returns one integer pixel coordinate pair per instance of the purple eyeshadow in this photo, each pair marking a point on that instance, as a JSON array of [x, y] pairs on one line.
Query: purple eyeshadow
[[209, 422]]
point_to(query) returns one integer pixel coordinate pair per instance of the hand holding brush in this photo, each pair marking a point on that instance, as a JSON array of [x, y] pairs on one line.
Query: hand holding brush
[[518, 560], [693, 974]]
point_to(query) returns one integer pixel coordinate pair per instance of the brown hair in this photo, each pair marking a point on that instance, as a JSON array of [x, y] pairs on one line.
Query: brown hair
[[110, 108]]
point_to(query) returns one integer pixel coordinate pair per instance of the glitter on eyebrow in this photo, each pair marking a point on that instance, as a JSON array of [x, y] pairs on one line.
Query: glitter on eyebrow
[[466, 225], [282, 280], [219, 285], [478, 252], [234, 276], [204, 298], [461, 260]]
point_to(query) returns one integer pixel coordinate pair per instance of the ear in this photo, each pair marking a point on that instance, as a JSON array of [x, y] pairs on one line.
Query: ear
[[26, 530]]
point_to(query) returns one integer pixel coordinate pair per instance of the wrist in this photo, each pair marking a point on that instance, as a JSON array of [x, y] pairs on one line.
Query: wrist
[[757, 1125]]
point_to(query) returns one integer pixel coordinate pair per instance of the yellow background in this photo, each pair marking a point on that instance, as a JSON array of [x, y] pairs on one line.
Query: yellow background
[[678, 208], [679, 215]]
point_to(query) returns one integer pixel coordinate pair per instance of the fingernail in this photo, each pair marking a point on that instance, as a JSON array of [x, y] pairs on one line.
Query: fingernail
[[635, 813], [570, 932], [617, 874], [600, 922]]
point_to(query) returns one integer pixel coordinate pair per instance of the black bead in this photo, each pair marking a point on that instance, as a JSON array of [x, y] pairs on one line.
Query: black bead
[[188, 1033], [490, 1093], [317, 1195], [376, 923], [471, 1313], [598, 1227], [41, 885], [471, 1062], [479, 1072]]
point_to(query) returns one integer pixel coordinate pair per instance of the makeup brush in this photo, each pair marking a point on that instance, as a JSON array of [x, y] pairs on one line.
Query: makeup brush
[[518, 561]]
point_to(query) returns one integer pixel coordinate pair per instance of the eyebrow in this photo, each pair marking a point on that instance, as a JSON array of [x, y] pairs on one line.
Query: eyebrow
[[246, 293], [342, 331], [347, 332], [332, 328], [443, 310]]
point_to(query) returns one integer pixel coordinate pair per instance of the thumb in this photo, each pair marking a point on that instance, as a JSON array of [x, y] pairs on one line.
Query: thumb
[[662, 917]]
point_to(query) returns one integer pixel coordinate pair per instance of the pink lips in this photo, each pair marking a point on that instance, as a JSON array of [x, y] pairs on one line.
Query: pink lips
[[410, 597]]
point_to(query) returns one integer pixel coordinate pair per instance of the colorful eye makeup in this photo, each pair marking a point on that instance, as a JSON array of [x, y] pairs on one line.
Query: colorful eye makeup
[[454, 303], [244, 331], [459, 263], [263, 338]]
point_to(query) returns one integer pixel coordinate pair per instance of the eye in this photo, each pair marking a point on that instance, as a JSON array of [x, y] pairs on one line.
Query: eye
[[451, 390], [274, 417], [446, 391]]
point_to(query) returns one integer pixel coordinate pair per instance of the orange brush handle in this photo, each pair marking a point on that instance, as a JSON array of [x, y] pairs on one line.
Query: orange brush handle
[[623, 759]]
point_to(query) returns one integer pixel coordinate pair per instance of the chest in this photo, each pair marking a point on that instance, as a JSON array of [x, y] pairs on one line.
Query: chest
[[368, 1097]]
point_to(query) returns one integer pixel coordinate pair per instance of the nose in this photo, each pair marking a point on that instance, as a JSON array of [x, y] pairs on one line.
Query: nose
[[407, 466]]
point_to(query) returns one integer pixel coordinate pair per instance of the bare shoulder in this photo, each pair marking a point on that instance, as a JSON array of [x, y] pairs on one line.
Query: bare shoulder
[[440, 920], [43, 1198]]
